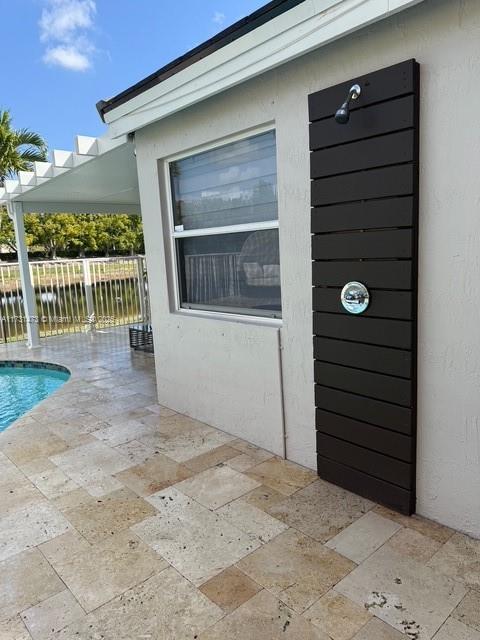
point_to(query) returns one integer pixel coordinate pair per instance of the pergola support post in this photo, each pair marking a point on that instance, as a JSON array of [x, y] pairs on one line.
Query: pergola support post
[[28, 292]]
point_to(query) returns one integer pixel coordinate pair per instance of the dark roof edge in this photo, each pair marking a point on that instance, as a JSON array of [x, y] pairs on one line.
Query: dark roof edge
[[228, 35]]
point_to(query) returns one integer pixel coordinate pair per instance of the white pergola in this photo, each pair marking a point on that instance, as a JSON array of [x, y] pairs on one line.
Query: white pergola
[[100, 176]]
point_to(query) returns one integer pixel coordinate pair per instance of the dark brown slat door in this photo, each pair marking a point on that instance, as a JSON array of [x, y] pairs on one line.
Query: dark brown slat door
[[364, 196]]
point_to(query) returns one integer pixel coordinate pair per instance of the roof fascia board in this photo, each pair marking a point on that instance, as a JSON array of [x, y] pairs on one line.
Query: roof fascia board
[[306, 27]]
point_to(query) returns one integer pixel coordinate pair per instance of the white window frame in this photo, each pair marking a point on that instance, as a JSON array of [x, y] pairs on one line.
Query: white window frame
[[174, 235]]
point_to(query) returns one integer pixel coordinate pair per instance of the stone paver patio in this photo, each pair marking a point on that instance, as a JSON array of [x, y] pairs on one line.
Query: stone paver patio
[[122, 520]]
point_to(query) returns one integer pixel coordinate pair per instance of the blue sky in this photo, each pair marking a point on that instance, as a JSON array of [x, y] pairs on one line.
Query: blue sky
[[68, 54]]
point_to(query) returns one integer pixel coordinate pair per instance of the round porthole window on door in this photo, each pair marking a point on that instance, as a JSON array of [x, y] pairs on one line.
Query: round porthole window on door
[[355, 297]]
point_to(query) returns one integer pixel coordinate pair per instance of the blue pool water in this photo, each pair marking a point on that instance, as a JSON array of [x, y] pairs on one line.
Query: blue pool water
[[25, 384]]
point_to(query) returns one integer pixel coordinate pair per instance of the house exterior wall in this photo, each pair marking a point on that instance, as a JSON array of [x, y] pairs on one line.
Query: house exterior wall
[[227, 373]]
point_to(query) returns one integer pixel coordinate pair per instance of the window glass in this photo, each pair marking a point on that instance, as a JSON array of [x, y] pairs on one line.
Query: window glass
[[228, 185], [238, 272]]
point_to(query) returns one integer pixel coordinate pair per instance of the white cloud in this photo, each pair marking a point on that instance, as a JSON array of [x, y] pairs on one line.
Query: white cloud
[[67, 57], [64, 28], [218, 18]]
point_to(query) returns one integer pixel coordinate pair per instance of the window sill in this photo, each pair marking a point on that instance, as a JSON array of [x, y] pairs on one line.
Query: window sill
[[230, 317]]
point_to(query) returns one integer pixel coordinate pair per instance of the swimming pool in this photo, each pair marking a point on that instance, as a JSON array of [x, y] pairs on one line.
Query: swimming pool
[[25, 384]]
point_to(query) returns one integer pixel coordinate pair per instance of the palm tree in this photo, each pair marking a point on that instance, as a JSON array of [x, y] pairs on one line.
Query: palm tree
[[19, 148]]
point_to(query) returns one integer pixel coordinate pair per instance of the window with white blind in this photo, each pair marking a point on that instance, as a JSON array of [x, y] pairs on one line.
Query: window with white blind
[[225, 228]]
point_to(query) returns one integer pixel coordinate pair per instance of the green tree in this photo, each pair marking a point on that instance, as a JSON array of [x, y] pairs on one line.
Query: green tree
[[7, 232], [117, 232], [83, 234], [53, 232], [19, 148]]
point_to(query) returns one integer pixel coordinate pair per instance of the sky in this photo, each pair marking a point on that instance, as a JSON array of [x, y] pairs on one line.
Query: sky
[[62, 56]]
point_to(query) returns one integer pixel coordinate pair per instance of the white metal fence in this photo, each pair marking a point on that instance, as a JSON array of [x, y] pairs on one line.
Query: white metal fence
[[74, 295]]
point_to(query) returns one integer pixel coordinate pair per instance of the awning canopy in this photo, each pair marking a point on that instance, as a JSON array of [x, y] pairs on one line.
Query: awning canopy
[[100, 176]]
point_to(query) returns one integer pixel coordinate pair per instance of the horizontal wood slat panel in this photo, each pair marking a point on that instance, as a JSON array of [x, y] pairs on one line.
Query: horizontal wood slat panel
[[375, 274], [391, 243], [375, 464], [389, 333], [365, 435], [376, 120], [383, 84], [394, 148], [381, 414], [364, 356], [375, 183], [383, 304], [364, 221], [374, 385], [369, 214], [384, 492]]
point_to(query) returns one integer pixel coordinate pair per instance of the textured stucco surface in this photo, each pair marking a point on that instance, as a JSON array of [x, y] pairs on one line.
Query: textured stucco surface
[[226, 373]]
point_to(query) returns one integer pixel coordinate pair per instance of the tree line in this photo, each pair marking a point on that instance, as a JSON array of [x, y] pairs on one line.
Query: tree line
[[64, 234]]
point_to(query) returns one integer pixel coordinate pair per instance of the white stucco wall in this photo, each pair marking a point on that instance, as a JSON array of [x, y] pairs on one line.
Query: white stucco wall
[[227, 373]]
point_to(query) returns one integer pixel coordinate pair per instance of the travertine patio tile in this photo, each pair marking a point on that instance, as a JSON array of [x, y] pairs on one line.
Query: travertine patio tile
[[99, 573], [33, 467], [427, 527], [17, 495], [105, 410], [60, 550], [34, 442], [211, 458], [251, 520], [184, 444], [204, 544], [72, 499], [25, 580], [459, 558], [9, 472], [468, 611], [281, 475], [455, 630], [74, 431], [13, 629], [260, 618], [160, 410], [120, 433], [217, 486], [164, 607], [100, 485], [337, 616], [378, 630], [104, 516], [91, 465], [363, 537], [259, 455], [53, 483], [53, 614], [321, 510], [199, 543], [404, 593], [29, 527], [264, 498], [296, 569], [230, 589], [243, 462], [136, 452], [157, 473], [413, 544]]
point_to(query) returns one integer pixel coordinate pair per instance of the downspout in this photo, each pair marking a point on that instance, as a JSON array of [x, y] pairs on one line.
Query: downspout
[[282, 395]]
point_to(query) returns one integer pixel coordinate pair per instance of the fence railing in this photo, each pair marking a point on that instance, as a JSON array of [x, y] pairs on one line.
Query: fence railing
[[74, 295]]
